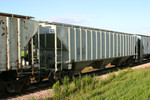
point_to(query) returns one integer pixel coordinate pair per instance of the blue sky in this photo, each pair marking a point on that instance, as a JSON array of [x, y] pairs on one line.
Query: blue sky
[[132, 16]]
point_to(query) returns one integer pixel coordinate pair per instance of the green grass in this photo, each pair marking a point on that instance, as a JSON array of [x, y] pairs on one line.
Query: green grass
[[126, 85]]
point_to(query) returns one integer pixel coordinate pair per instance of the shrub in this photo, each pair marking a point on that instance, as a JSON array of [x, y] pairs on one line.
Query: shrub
[[87, 81], [57, 88], [110, 77], [77, 82], [66, 86], [66, 81]]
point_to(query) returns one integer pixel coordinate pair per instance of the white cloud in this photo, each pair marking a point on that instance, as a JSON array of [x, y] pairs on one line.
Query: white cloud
[[147, 31], [65, 19]]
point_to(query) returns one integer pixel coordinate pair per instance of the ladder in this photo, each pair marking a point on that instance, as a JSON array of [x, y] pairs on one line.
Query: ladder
[[61, 52]]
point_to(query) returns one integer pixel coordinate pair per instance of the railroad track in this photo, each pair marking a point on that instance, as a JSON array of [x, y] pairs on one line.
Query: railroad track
[[35, 87]]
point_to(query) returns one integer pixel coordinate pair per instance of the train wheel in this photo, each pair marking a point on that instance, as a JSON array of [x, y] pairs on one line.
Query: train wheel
[[141, 60], [39, 79], [10, 88], [51, 79], [2, 89], [26, 84]]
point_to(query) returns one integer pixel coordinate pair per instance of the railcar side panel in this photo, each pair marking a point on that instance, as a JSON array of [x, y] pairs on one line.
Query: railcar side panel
[[15, 35]]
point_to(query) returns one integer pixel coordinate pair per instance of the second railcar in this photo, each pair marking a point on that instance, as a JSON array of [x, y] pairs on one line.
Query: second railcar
[[67, 49]]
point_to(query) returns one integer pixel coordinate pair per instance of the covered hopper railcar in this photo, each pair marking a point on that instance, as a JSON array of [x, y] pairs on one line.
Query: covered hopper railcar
[[67, 49], [18, 50]]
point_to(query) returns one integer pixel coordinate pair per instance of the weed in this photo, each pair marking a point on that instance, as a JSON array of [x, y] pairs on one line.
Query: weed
[[66, 81], [66, 89], [77, 83], [33, 98], [57, 89], [127, 84]]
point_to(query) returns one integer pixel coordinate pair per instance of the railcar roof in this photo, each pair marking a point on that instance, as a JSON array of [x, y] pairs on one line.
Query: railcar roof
[[15, 15], [83, 27], [143, 35]]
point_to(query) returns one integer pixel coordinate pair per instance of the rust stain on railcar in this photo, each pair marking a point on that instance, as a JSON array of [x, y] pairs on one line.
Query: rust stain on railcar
[[32, 69], [19, 64], [32, 55], [25, 25], [7, 49], [88, 69], [3, 28], [1, 22], [3, 34], [18, 44], [109, 65]]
